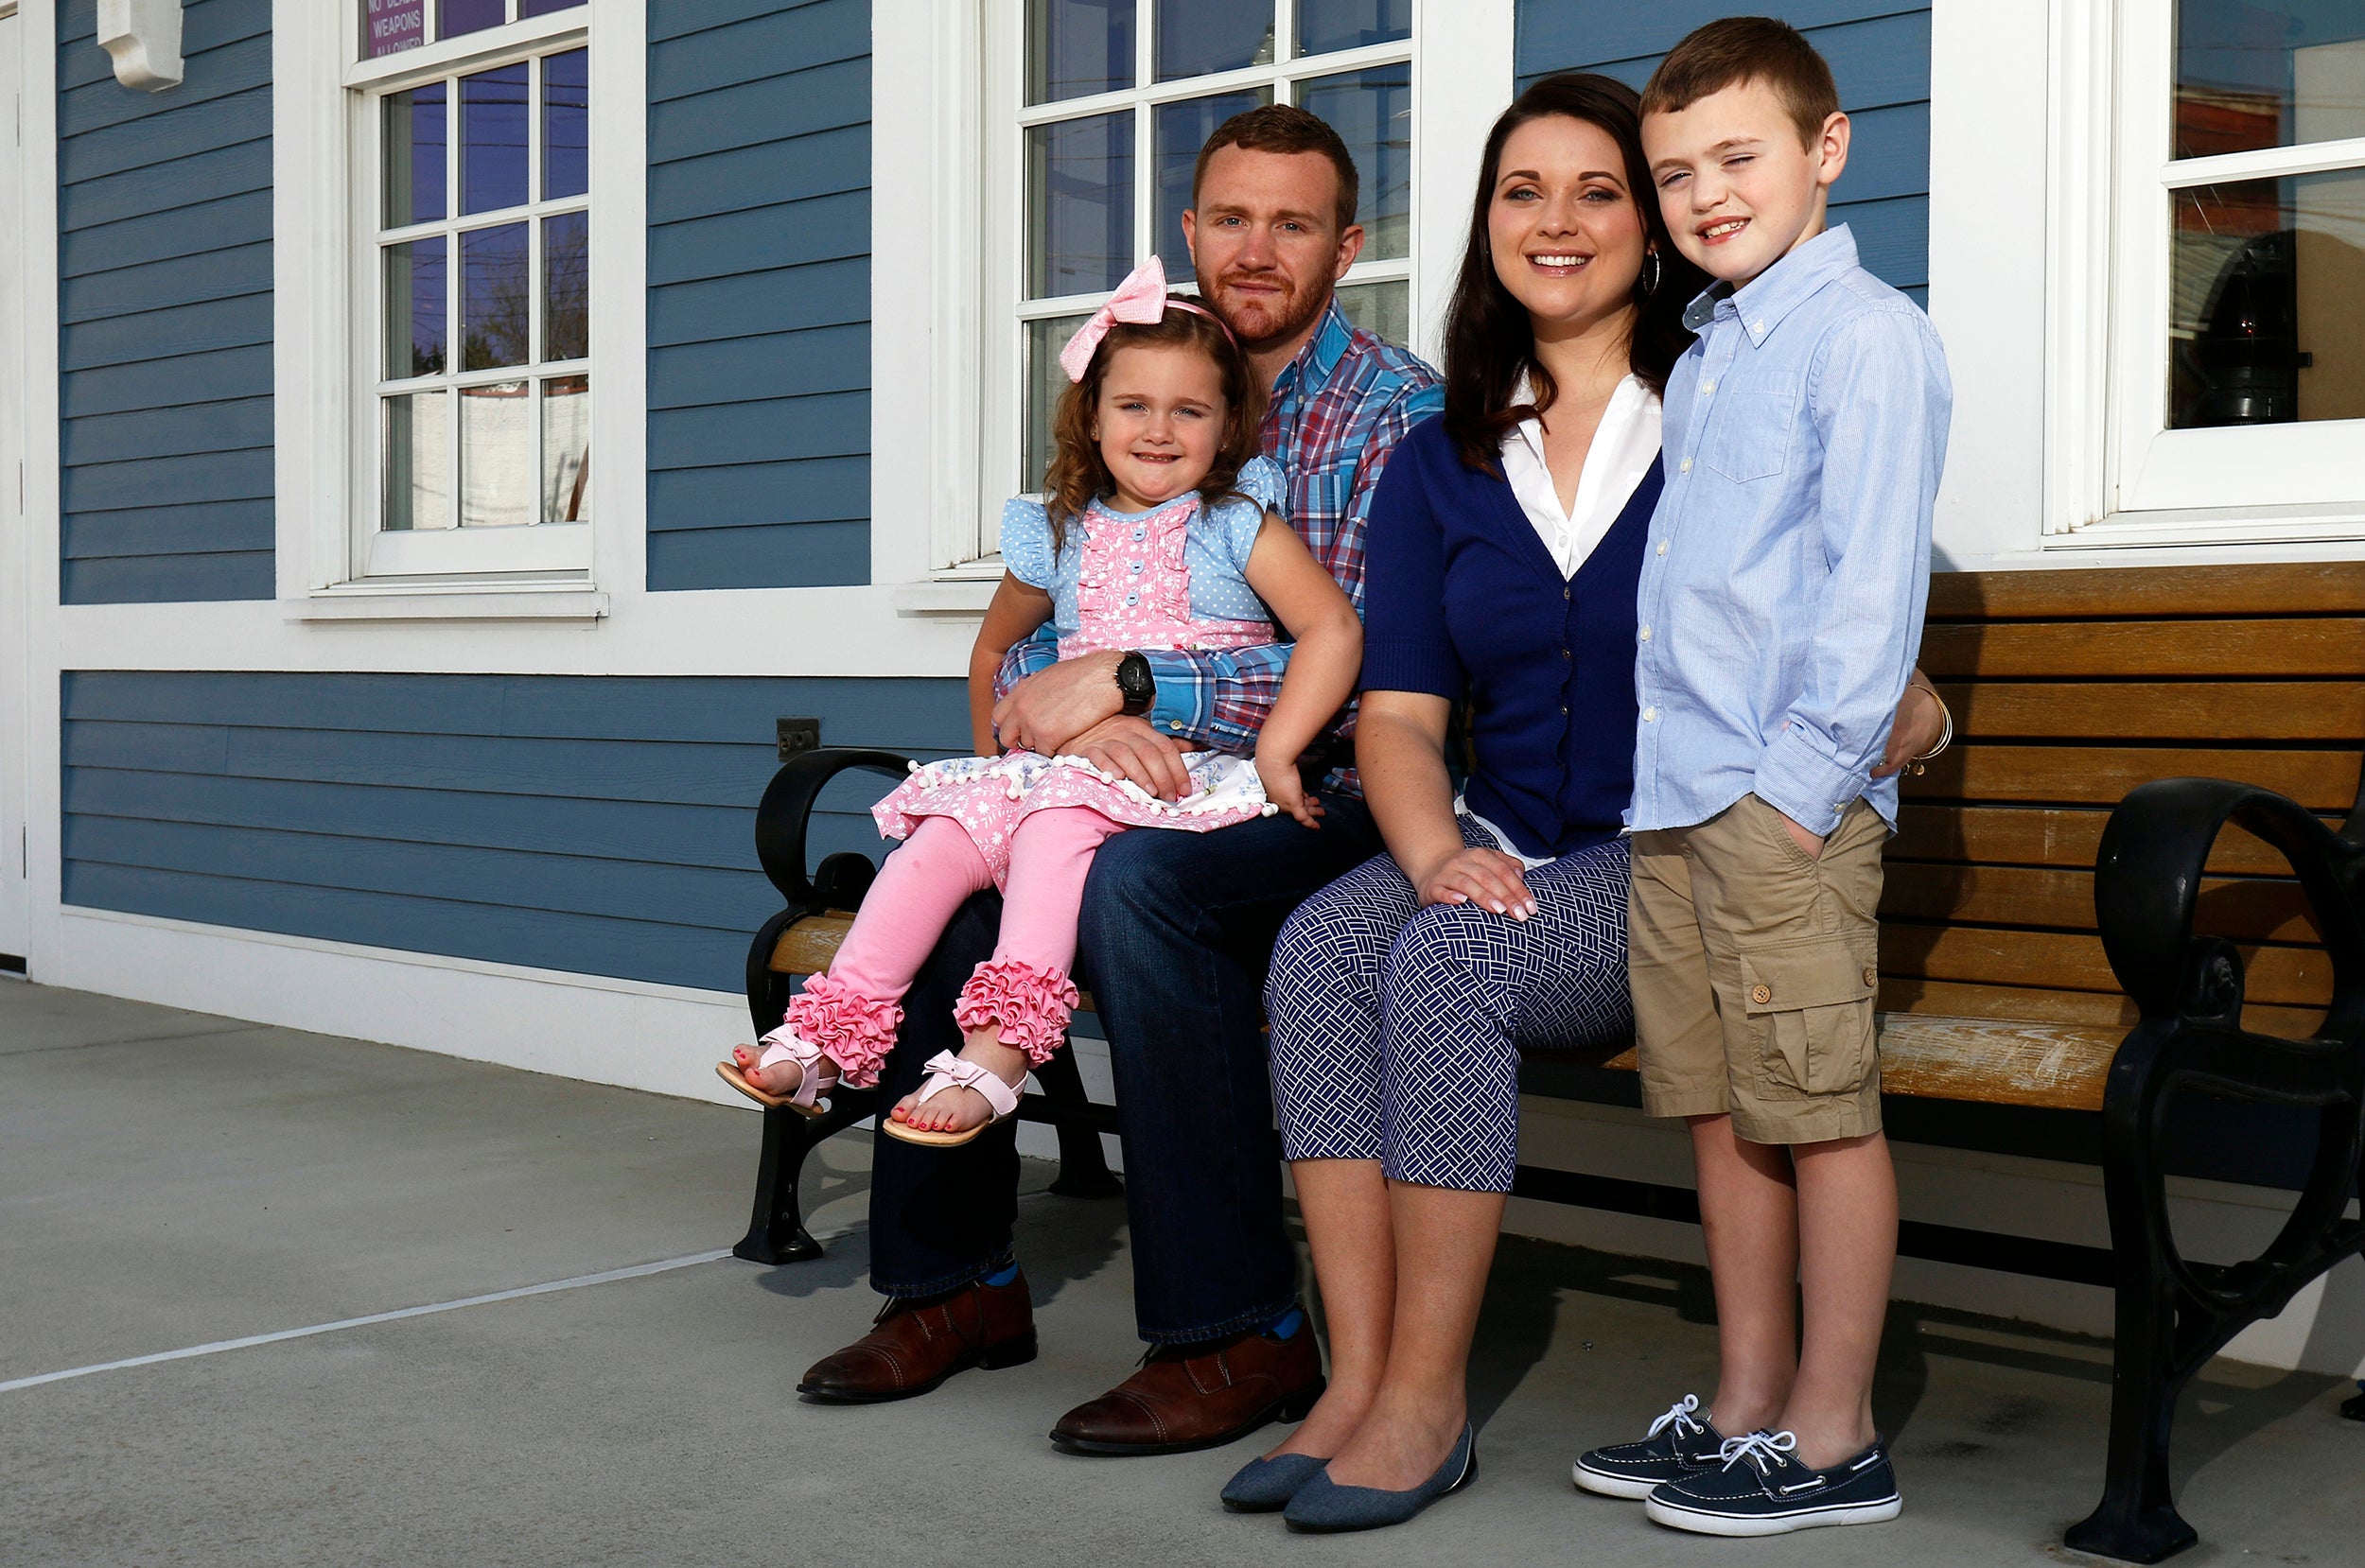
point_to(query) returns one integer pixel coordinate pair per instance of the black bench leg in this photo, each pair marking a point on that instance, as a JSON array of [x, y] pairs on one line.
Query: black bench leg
[[1083, 1168], [775, 1232], [2137, 1518]]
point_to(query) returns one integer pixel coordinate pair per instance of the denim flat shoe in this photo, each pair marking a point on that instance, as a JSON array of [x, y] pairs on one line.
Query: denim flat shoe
[[1266, 1486], [1324, 1506]]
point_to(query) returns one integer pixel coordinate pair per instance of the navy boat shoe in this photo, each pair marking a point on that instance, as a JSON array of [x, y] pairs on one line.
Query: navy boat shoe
[[1266, 1486], [1325, 1505]]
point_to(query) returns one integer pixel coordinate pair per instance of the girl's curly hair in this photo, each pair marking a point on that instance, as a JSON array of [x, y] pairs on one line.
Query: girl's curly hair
[[1077, 474]]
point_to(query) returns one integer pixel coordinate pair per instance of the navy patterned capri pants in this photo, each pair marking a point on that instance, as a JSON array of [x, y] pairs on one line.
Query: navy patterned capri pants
[[1396, 1030]]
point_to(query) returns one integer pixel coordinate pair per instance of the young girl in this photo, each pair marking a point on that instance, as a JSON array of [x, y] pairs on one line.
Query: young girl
[[1158, 534]]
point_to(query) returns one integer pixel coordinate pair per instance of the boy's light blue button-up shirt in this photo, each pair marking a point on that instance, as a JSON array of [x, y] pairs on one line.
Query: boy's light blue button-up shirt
[[1782, 587]]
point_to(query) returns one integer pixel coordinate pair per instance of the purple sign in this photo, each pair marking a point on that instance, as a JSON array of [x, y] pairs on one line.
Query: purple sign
[[390, 27]]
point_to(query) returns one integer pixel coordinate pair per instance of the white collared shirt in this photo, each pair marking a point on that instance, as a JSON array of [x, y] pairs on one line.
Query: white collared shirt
[[1624, 445]]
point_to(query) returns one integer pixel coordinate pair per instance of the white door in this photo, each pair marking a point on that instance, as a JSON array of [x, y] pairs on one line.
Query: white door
[[15, 766]]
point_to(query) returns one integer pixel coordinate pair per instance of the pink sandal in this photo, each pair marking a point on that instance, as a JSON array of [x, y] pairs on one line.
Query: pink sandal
[[946, 1070], [782, 1045]]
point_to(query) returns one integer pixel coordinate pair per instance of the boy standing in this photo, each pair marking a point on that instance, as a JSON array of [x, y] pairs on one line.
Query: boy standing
[[1781, 609]]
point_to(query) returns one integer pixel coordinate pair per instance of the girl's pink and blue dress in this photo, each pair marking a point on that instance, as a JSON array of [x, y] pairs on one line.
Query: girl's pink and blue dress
[[1173, 578]]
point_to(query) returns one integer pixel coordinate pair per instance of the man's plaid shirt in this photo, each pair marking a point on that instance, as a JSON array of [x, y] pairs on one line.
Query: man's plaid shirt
[[1337, 410]]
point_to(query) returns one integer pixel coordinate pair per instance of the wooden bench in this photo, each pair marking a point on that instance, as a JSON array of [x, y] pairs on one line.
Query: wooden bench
[[2014, 1016]]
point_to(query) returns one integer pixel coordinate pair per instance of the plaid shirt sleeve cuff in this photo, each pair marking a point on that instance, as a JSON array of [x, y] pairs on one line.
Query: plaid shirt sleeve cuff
[[1184, 698]]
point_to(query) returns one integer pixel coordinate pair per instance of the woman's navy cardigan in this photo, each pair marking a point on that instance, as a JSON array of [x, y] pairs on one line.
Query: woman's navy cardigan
[[1461, 598]]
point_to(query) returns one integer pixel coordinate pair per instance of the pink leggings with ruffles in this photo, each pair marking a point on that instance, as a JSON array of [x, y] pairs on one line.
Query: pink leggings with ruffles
[[854, 1012]]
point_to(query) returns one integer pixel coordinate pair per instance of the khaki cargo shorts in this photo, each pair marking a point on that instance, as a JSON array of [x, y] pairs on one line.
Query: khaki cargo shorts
[[1754, 968]]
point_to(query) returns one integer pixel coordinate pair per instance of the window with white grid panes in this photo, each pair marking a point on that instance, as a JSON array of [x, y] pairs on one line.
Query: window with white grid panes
[[479, 270], [2235, 291], [1113, 100]]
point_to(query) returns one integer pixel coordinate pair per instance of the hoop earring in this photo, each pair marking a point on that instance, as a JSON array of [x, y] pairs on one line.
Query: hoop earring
[[1656, 271]]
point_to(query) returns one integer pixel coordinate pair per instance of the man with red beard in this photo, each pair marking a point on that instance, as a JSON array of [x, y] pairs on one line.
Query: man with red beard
[[1177, 928]]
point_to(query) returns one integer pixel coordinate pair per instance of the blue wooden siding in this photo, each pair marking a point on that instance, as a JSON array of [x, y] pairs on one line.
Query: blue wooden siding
[[165, 316], [758, 293], [1880, 52], [596, 825]]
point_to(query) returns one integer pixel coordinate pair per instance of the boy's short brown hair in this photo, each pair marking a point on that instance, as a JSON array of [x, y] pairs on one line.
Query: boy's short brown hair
[[1283, 128], [1742, 49]]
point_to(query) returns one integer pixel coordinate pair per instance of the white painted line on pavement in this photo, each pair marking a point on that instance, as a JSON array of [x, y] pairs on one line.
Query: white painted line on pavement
[[637, 1271]]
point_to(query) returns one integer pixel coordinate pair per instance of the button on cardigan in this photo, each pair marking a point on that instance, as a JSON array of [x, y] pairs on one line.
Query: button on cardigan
[[1463, 599]]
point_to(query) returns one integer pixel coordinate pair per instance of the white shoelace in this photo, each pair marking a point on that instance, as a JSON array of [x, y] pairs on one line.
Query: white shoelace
[[1764, 1450], [1678, 1417]]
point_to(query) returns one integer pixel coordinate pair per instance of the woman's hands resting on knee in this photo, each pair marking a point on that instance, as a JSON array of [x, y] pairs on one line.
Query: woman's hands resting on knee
[[1486, 878]]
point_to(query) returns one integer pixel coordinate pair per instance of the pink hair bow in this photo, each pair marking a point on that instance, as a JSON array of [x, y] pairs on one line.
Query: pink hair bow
[[1141, 300]]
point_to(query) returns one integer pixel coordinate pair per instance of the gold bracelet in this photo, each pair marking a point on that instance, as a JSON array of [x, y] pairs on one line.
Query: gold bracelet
[[1946, 734]]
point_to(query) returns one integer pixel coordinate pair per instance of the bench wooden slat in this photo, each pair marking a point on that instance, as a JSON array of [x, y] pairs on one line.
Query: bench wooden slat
[[2009, 1062], [2216, 650], [2095, 1009], [1995, 1061], [2045, 836], [2322, 781], [2240, 908], [2297, 977], [2159, 710], [2312, 588]]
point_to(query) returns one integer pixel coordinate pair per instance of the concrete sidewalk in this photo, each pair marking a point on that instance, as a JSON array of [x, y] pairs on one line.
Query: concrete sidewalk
[[171, 1180]]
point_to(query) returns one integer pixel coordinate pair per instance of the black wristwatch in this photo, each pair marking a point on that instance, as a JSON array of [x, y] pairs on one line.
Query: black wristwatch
[[1134, 682]]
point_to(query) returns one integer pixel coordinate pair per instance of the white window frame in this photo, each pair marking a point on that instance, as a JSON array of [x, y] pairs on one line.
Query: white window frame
[[328, 331], [947, 157], [2116, 474]]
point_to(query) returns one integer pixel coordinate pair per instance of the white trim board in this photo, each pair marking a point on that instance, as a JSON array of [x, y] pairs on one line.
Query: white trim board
[[664, 1039], [39, 393]]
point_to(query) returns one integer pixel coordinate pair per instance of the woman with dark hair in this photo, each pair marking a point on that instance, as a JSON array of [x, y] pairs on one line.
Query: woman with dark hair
[[1505, 544]]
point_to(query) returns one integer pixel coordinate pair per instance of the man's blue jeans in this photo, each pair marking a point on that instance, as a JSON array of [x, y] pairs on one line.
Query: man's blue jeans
[[1178, 929]]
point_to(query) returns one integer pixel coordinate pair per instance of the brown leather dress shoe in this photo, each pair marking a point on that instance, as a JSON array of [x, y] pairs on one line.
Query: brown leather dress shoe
[[1190, 1396], [918, 1343]]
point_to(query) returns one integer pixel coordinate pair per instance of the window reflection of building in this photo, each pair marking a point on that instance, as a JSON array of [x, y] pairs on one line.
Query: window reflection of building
[[486, 302], [2267, 300]]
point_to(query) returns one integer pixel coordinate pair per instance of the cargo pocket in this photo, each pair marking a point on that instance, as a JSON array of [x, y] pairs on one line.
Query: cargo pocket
[[1810, 1007]]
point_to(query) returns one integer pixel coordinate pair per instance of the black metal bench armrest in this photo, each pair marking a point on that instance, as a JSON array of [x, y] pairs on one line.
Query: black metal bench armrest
[[2147, 890], [788, 809]]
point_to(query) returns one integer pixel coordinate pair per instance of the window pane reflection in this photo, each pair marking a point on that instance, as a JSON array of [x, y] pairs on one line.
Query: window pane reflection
[[565, 125], [1372, 111], [1078, 47], [415, 278], [415, 156], [417, 444], [1196, 37], [2266, 301], [1182, 128], [2267, 73], [566, 286], [492, 139], [454, 17], [1327, 24], [567, 450], [1079, 204], [1045, 381], [494, 299], [496, 481], [1383, 309]]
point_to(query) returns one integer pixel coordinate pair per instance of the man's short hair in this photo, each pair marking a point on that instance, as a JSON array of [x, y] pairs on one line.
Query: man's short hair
[[1742, 49], [1283, 128]]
